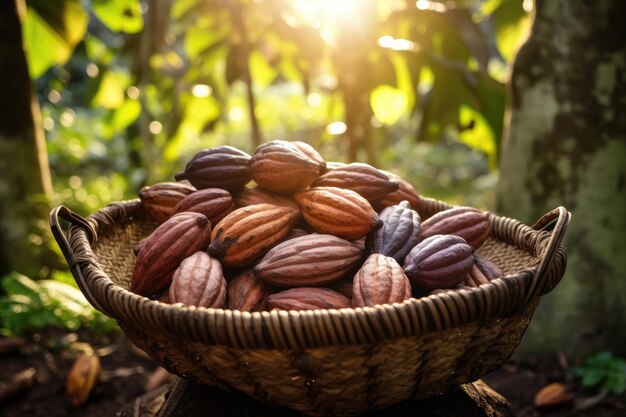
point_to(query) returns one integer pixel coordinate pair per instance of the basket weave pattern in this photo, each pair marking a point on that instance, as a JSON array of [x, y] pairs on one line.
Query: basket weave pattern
[[326, 362]]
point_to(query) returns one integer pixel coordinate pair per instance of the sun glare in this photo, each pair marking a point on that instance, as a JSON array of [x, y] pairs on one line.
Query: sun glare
[[330, 12]]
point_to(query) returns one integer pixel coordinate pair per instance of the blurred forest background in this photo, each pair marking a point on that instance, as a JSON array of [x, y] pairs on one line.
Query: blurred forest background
[[102, 97]]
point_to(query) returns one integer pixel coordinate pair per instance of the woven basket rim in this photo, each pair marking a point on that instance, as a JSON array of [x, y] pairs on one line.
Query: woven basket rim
[[315, 328]]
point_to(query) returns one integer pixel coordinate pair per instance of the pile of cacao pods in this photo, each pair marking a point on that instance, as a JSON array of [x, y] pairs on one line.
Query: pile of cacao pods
[[283, 229]]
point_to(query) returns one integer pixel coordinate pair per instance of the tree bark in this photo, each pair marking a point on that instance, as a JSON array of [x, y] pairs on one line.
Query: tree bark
[[565, 144], [25, 185]]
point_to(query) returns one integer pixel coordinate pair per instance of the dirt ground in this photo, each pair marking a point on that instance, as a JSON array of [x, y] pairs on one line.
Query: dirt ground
[[125, 373]]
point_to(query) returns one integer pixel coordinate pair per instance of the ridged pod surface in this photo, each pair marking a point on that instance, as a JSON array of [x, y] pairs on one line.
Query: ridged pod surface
[[247, 292], [400, 232], [248, 232], [160, 199], [380, 280], [482, 272], [307, 298], [256, 195], [405, 191], [310, 260], [364, 179], [223, 167], [440, 261], [281, 167], [467, 222], [199, 281], [339, 212], [165, 248], [214, 203]]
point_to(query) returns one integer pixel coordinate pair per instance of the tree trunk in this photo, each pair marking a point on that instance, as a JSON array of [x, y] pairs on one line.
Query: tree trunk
[[25, 185], [565, 144]]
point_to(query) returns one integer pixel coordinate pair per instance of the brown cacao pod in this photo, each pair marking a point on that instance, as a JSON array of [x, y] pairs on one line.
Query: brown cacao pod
[[339, 212], [163, 250], [282, 167], [405, 191], [248, 232], [223, 167], [364, 179], [199, 281], [214, 203], [482, 272], [310, 260], [247, 292], [160, 199], [440, 261], [400, 232], [256, 195], [467, 222], [309, 151], [307, 298], [380, 281]]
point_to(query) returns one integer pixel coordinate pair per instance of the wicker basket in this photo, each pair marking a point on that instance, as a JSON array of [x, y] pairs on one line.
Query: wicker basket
[[324, 362]]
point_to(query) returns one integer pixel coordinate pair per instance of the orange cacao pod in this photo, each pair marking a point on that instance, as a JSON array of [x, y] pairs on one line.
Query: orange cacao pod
[[256, 195], [482, 272], [380, 281], [223, 167], [247, 292], [467, 222], [405, 191], [160, 199], [163, 250], [310, 260], [214, 203], [282, 167], [440, 261], [248, 232], [339, 212], [199, 281], [364, 179], [307, 298]]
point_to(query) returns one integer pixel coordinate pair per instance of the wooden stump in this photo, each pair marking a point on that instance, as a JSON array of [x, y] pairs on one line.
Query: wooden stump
[[184, 398]]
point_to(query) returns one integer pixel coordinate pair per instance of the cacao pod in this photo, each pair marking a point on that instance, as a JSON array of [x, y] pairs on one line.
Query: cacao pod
[[281, 167], [309, 151], [307, 298], [467, 222], [256, 195], [405, 191], [163, 250], [83, 377], [400, 232], [380, 281], [223, 167], [310, 260], [339, 212], [364, 179], [160, 199], [439, 261], [248, 232], [199, 281], [214, 203], [482, 272], [247, 292]]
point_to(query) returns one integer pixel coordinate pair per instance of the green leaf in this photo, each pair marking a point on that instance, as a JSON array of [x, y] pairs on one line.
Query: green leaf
[[119, 15], [476, 133], [388, 103], [593, 377], [52, 29], [122, 117], [262, 73], [511, 25], [110, 93]]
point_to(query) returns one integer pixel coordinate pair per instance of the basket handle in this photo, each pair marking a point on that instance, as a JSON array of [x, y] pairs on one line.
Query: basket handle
[[557, 221], [74, 264]]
